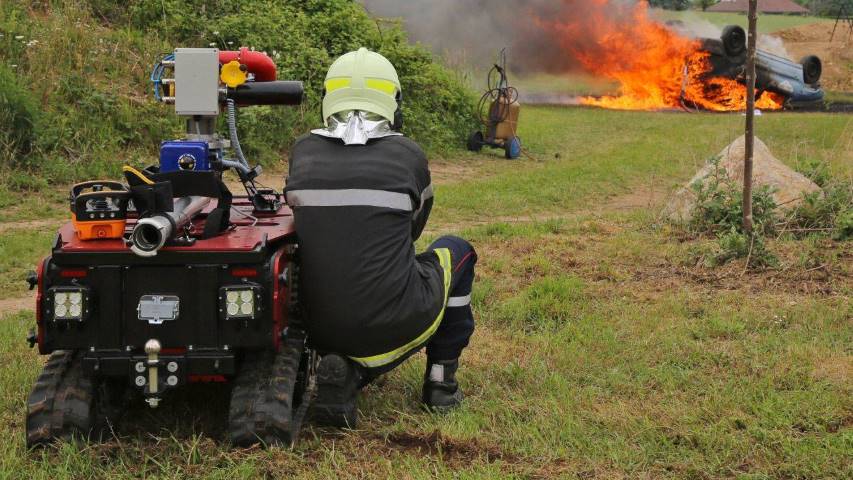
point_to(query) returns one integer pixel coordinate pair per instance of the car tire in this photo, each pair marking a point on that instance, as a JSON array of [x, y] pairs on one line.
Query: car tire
[[812, 68], [734, 40]]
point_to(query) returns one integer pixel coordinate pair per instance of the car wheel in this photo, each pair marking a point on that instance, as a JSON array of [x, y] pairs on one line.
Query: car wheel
[[734, 40], [812, 69]]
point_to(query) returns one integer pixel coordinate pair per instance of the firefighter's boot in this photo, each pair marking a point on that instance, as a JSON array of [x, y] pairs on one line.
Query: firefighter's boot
[[441, 390], [338, 380]]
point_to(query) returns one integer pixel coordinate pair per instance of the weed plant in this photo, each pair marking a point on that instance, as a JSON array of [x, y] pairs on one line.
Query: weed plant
[[828, 212], [719, 211]]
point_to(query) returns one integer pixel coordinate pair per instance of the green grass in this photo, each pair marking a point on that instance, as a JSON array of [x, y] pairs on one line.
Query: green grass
[[580, 154], [840, 97], [603, 348], [20, 250], [563, 84], [767, 23]]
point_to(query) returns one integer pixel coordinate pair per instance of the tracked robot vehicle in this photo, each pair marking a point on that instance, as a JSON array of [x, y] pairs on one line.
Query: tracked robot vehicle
[[166, 278]]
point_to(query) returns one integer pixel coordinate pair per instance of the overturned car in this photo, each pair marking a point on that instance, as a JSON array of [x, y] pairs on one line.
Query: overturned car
[[797, 83]]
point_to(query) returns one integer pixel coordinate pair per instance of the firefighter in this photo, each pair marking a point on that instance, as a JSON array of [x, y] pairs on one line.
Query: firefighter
[[361, 195]]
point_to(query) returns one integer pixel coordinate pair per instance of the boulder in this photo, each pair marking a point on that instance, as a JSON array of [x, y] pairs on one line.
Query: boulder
[[789, 186]]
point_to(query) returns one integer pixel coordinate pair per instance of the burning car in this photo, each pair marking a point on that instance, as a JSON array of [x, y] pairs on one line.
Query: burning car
[[664, 66], [778, 80]]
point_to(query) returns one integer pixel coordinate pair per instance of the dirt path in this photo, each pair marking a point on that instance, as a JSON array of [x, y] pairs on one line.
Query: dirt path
[[17, 304], [640, 197], [29, 224]]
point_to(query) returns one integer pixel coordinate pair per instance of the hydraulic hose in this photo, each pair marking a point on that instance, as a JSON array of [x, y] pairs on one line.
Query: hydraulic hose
[[237, 166], [232, 131]]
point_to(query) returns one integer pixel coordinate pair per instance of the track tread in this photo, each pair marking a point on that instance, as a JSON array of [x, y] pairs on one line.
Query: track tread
[[62, 404], [263, 400]]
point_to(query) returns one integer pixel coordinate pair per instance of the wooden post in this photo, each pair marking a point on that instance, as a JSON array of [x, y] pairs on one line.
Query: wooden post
[[750, 117]]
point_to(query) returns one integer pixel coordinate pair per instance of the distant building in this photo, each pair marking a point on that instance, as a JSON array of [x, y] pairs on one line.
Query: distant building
[[764, 6]]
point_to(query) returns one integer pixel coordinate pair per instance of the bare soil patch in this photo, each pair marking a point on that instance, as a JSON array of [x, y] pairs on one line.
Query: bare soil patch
[[29, 225], [666, 265], [651, 197], [836, 56], [444, 172], [826, 280], [17, 304], [837, 369]]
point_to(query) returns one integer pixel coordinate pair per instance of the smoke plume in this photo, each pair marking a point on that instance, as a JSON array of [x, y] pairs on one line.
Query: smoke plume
[[531, 29], [552, 36]]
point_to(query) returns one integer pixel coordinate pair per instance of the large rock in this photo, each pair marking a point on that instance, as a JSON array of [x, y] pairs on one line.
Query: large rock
[[789, 185]]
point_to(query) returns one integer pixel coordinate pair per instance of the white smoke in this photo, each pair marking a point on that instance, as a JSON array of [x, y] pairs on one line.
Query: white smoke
[[691, 25], [772, 44]]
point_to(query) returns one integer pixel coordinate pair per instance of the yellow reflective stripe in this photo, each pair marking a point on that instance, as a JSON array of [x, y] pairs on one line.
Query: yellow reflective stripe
[[333, 84], [385, 86], [381, 85], [137, 173], [386, 358]]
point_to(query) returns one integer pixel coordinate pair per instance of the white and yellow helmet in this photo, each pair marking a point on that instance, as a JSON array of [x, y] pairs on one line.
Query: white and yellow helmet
[[362, 80]]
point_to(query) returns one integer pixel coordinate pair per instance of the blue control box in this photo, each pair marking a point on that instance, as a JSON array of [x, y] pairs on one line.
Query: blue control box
[[177, 156]]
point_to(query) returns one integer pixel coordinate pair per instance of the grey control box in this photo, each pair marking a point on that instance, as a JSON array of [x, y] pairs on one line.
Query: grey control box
[[197, 81]]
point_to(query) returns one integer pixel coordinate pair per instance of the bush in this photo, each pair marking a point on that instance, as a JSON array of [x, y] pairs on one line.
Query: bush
[[670, 4], [304, 37], [719, 211], [735, 244], [829, 212], [87, 62], [719, 205], [19, 115]]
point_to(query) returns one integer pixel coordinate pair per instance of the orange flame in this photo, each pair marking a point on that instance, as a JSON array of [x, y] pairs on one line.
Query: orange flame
[[655, 67]]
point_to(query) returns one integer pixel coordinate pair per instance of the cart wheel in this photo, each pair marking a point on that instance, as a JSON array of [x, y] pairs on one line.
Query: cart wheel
[[512, 147], [475, 141]]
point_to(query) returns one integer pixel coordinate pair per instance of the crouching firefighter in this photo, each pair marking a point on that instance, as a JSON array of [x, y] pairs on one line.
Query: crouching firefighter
[[361, 195]]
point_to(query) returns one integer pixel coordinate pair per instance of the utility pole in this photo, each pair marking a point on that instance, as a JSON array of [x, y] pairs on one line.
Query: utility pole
[[750, 117]]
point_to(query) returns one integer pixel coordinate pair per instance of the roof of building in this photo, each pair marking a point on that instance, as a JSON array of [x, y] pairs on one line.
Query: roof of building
[[764, 6]]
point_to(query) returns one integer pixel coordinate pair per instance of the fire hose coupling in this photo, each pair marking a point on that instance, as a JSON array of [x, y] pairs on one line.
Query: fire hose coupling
[[151, 233], [152, 349]]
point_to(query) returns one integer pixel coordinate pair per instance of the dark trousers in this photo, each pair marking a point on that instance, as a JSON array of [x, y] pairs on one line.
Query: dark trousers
[[457, 325]]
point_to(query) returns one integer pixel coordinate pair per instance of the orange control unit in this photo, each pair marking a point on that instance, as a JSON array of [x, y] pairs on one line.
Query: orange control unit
[[99, 209]]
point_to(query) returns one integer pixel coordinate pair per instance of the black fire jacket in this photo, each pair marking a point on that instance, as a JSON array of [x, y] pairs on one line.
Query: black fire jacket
[[358, 210]]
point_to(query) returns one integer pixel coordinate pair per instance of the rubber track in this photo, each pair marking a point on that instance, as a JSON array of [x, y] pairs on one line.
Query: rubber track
[[61, 405], [262, 400]]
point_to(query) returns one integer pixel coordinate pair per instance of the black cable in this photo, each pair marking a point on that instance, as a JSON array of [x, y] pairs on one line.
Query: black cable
[[495, 89]]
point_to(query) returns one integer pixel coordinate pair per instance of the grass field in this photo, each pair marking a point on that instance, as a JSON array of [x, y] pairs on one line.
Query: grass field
[[604, 349], [767, 23]]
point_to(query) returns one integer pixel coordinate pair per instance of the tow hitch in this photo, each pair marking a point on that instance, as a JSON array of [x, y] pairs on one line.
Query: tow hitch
[[152, 348]]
